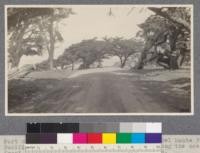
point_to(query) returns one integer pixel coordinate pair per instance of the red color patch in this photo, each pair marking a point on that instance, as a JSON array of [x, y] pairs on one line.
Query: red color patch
[[94, 138]]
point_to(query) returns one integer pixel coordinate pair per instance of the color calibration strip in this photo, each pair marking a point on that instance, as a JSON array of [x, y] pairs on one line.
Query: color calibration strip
[[93, 133]]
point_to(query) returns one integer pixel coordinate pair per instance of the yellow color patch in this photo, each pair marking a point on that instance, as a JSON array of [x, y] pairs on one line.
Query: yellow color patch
[[109, 138]]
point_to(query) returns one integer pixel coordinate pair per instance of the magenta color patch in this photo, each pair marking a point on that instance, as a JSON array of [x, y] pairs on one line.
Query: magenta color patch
[[79, 138]]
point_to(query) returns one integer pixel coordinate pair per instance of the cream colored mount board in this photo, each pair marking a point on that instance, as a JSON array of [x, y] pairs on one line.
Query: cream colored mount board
[[171, 144]]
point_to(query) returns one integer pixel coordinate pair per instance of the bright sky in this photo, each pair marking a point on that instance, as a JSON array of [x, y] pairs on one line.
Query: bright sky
[[94, 21]]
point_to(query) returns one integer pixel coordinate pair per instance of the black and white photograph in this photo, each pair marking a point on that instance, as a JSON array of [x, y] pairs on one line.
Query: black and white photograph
[[99, 60]]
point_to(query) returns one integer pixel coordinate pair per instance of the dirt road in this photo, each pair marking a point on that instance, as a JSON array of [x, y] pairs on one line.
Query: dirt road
[[105, 92]]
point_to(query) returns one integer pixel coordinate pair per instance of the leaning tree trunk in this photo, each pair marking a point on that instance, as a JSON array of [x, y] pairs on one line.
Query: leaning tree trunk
[[123, 63], [15, 48], [140, 63], [99, 63], [143, 55], [15, 61], [51, 48], [181, 59], [173, 63]]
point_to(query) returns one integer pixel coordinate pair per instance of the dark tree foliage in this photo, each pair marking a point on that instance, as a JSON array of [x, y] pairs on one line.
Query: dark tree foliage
[[93, 51], [124, 48], [87, 52], [16, 16], [167, 33], [33, 30]]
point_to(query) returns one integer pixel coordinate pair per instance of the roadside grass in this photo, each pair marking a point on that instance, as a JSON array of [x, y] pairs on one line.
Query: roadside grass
[[21, 91]]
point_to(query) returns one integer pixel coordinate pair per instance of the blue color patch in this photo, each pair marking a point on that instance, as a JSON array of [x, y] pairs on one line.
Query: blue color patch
[[138, 138]]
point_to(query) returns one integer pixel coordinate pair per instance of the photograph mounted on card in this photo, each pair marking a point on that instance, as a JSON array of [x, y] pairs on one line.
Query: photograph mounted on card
[[98, 60]]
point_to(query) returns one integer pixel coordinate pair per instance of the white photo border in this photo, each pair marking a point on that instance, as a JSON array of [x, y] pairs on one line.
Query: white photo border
[[102, 114]]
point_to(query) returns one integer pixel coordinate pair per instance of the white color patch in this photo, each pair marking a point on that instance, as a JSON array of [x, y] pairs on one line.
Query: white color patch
[[64, 138], [153, 127]]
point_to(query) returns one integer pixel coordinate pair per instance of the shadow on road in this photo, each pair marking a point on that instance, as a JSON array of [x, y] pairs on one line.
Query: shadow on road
[[111, 91]]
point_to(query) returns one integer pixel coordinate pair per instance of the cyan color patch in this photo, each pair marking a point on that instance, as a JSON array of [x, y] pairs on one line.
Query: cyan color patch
[[138, 138]]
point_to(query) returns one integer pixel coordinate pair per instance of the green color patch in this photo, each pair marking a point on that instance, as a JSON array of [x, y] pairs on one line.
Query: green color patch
[[123, 137]]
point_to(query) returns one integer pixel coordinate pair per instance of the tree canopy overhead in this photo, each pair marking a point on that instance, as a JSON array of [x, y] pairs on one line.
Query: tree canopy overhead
[[169, 27], [166, 35], [124, 48], [178, 15], [17, 16], [87, 52], [91, 51], [34, 30]]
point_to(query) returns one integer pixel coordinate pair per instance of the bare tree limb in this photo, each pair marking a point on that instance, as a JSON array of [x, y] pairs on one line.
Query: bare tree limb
[[175, 20]]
